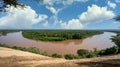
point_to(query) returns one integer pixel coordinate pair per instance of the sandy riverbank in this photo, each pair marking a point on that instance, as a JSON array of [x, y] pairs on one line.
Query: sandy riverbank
[[16, 58]]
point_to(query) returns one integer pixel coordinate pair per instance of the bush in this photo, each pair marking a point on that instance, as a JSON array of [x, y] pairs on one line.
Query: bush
[[90, 55], [33, 50], [56, 55], [69, 56], [45, 54], [82, 52], [108, 51], [118, 49], [116, 40]]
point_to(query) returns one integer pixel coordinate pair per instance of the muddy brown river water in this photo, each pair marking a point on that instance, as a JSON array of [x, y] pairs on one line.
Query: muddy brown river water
[[100, 41]]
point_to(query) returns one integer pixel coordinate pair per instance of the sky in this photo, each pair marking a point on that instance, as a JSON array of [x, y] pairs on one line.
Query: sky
[[62, 14]]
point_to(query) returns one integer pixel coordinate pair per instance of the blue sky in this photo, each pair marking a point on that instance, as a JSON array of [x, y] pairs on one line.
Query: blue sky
[[62, 14]]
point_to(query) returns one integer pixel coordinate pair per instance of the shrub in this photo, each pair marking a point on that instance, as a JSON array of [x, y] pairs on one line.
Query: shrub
[[56, 55], [116, 40], [96, 52], [112, 50], [118, 49], [33, 50], [45, 54], [69, 56], [108, 51], [90, 55], [82, 52]]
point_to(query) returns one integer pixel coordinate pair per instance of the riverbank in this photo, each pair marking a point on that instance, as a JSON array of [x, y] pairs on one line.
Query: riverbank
[[99, 42], [15, 58], [59, 35]]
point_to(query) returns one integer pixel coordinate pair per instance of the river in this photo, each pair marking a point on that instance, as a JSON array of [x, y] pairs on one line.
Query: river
[[100, 41]]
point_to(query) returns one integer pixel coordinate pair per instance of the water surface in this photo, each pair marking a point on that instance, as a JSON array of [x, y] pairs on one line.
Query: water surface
[[100, 41]]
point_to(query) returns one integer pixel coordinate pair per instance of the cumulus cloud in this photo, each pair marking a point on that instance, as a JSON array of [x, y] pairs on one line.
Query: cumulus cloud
[[92, 15], [96, 14], [46, 24], [112, 5], [68, 2], [118, 1], [20, 18], [52, 9], [72, 24], [64, 2]]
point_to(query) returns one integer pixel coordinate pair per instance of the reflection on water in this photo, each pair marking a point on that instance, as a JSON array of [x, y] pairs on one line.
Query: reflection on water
[[63, 47]]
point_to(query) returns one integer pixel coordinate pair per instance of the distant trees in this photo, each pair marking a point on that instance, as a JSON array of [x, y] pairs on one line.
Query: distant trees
[[58, 35]]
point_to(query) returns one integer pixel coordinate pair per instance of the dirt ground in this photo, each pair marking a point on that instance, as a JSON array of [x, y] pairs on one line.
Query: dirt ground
[[16, 58]]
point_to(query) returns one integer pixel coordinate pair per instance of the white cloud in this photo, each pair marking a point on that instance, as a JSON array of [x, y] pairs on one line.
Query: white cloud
[[46, 24], [20, 18], [52, 9], [64, 2], [72, 24], [112, 5], [96, 14], [92, 15], [118, 1], [68, 2]]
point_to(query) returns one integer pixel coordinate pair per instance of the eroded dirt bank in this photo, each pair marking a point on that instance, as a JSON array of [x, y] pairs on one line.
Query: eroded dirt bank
[[16, 58]]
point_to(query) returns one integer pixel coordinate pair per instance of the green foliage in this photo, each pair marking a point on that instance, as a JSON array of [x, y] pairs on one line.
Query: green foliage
[[82, 52], [56, 55], [70, 56], [58, 35], [31, 49], [5, 32], [116, 40], [91, 54], [12, 2], [45, 54], [108, 51]]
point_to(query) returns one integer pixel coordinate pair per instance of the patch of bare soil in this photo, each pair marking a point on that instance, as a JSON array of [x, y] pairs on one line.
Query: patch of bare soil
[[16, 58]]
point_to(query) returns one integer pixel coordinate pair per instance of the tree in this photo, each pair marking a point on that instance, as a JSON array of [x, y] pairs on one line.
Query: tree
[[15, 3], [116, 40], [82, 52], [5, 3]]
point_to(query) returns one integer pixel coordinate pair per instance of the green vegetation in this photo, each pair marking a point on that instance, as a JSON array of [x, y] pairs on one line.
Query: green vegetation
[[58, 35], [45, 54], [82, 52], [56, 55], [116, 40], [31, 49], [4, 32], [70, 56]]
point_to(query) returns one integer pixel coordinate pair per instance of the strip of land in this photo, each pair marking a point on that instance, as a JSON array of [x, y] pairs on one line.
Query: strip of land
[[15, 58]]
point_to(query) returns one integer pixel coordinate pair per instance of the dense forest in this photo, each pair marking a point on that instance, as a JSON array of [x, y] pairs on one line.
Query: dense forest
[[58, 35]]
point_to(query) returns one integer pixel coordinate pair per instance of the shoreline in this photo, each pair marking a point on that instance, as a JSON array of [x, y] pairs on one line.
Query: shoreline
[[16, 58]]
